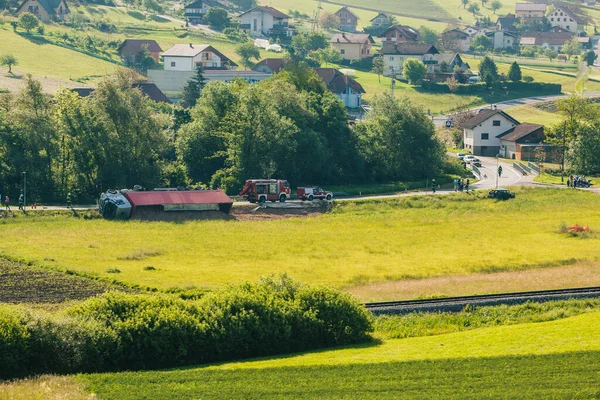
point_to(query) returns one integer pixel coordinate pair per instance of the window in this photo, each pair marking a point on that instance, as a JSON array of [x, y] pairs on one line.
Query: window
[[391, 58], [342, 51], [565, 19], [552, 19], [496, 123], [368, 51], [254, 25], [570, 20], [172, 63], [485, 136], [568, 27]]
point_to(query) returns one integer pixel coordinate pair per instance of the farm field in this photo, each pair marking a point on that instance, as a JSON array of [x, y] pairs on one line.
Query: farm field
[[554, 359], [356, 244]]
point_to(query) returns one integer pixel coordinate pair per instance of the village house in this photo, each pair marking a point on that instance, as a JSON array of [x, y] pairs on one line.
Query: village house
[[270, 65], [264, 21], [399, 34], [480, 133], [547, 40], [343, 86], [455, 39], [448, 62], [530, 11], [503, 39], [352, 46], [507, 23], [46, 10], [195, 12], [131, 49], [188, 57], [395, 56], [380, 19], [566, 19], [520, 142], [347, 19]]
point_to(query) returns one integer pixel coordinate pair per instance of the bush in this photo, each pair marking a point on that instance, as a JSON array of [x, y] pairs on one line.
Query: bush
[[481, 88], [119, 331]]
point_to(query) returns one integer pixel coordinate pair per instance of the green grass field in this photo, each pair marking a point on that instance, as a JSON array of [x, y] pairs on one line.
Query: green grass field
[[527, 113], [556, 359], [355, 244]]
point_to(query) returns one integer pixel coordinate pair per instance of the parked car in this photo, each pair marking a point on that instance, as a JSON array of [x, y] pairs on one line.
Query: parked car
[[312, 193], [476, 162], [461, 156], [501, 194], [468, 158]]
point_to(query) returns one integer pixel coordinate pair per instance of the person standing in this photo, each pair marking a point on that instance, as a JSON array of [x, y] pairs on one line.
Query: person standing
[[467, 184], [433, 185], [69, 205], [21, 202], [6, 203]]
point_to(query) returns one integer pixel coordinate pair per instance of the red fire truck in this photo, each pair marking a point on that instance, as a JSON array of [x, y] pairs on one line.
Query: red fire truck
[[263, 190]]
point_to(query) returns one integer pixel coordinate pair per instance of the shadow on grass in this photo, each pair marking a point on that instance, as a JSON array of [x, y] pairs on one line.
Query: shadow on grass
[[137, 15], [35, 39], [567, 375], [157, 18]]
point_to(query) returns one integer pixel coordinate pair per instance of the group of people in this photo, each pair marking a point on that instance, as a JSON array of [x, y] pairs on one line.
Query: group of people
[[461, 184], [577, 181], [7, 202]]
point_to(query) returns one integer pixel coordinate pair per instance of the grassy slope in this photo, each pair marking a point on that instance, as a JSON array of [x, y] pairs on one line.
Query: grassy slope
[[534, 115], [357, 243], [50, 60], [557, 359]]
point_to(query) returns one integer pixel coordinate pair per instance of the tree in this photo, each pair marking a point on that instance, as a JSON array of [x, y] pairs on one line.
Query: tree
[[481, 41], [193, 89], [496, 5], [145, 59], [327, 55], [397, 141], [246, 51], [8, 60], [217, 18], [488, 71], [428, 36], [28, 22], [514, 72], [453, 84], [584, 151], [550, 53], [473, 8], [328, 20], [303, 44], [572, 48], [589, 57], [378, 67], [153, 5], [414, 70], [464, 3]]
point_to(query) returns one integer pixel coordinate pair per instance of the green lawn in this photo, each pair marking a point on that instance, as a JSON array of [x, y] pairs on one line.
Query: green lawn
[[527, 113], [355, 244], [556, 359], [43, 59]]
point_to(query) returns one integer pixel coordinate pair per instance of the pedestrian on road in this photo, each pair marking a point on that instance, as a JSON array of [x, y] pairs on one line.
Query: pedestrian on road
[[69, 205], [572, 181], [467, 185], [7, 203], [21, 202], [433, 185], [455, 184], [568, 182]]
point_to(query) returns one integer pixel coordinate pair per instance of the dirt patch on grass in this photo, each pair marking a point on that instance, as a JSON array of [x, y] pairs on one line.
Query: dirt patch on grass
[[255, 213], [578, 275], [21, 283]]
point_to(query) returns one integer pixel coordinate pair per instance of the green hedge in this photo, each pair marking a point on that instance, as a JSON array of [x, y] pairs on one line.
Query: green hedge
[[540, 88], [118, 331]]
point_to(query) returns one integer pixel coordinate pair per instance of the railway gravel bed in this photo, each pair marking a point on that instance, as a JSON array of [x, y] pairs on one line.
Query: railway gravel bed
[[456, 304]]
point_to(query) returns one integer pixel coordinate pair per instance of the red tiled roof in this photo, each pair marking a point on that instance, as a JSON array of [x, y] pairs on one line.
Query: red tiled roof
[[135, 46], [274, 64], [520, 131], [484, 115], [274, 12], [337, 82], [351, 38]]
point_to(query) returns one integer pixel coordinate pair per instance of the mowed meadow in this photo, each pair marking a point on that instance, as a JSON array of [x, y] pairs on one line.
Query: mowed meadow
[[356, 243]]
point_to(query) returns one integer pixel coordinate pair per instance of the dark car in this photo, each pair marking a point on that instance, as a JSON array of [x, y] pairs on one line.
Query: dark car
[[501, 194], [476, 162]]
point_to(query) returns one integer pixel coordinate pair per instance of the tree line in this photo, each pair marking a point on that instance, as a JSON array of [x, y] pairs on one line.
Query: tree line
[[289, 126]]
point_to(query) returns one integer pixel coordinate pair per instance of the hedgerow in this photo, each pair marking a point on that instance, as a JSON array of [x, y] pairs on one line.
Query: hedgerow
[[117, 331]]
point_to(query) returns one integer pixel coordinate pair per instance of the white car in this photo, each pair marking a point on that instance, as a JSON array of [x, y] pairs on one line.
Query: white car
[[468, 158]]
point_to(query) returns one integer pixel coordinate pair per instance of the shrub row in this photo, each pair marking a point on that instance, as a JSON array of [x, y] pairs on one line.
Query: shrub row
[[119, 331], [481, 88]]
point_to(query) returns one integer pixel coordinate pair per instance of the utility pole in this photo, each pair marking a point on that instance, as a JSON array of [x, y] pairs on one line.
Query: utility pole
[[564, 144], [24, 189]]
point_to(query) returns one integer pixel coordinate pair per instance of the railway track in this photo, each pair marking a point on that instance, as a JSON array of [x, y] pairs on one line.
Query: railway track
[[455, 304]]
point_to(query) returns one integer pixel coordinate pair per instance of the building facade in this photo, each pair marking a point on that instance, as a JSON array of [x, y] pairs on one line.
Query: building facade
[[263, 21], [480, 133], [564, 18], [46, 10], [348, 21], [352, 46]]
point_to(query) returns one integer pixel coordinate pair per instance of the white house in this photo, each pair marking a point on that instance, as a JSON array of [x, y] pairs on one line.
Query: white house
[[395, 56], [380, 19], [343, 86], [264, 21], [188, 57], [566, 19], [481, 132], [503, 39], [194, 12]]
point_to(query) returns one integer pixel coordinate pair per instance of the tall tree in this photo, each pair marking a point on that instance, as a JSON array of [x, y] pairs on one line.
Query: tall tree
[[9, 60], [398, 141], [572, 48], [414, 70], [488, 71], [193, 88], [145, 59], [378, 67], [247, 51], [429, 36], [216, 17], [590, 57], [514, 72]]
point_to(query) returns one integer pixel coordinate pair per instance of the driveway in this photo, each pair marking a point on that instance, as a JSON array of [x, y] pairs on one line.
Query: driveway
[[191, 26]]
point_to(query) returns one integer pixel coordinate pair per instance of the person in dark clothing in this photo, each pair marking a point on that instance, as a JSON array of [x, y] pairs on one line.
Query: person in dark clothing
[[21, 202], [7, 203]]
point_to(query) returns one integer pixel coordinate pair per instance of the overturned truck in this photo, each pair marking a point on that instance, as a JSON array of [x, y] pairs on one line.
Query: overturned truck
[[163, 204]]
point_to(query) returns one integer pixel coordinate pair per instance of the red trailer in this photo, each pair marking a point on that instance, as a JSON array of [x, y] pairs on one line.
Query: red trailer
[[262, 190]]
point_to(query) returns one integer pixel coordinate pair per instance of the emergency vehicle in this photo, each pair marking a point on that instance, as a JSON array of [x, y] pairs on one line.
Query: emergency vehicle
[[263, 190], [312, 193]]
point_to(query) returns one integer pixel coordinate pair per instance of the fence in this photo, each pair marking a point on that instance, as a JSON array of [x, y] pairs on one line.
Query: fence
[[519, 167], [477, 171], [534, 167]]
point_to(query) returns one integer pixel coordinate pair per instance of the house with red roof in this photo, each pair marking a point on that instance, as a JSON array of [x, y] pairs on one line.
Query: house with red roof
[[131, 49], [348, 21], [352, 46], [265, 21], [343, 86]]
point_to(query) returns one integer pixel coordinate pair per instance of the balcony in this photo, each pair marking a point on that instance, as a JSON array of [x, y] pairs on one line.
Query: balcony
[[430, 62]]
